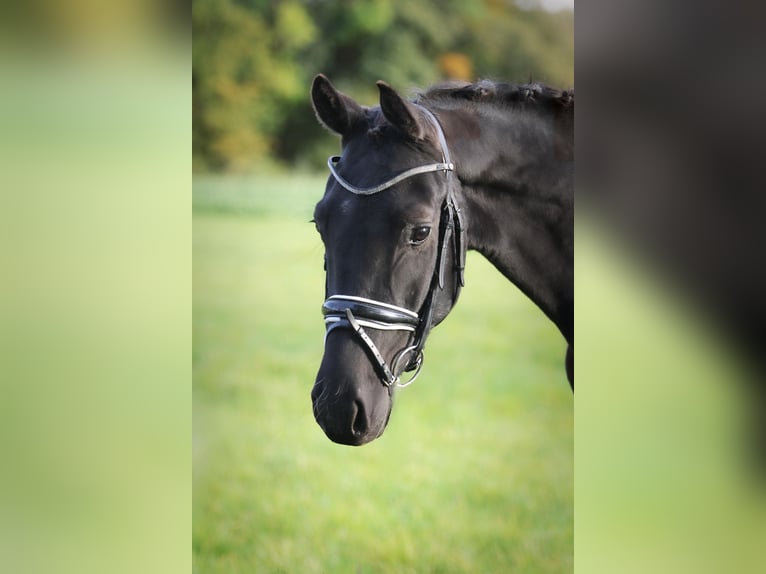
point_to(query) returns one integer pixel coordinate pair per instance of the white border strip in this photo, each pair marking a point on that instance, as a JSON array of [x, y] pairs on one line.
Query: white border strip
[[378, 303], [374, 324]]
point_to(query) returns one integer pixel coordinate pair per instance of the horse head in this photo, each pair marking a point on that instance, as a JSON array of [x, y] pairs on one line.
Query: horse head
[[394, 254]]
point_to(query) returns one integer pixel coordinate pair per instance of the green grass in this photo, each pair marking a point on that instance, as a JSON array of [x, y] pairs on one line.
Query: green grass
[[475, 470]]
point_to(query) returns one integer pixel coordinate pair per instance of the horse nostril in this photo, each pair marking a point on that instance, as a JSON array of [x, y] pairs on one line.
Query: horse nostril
[[360, 423]]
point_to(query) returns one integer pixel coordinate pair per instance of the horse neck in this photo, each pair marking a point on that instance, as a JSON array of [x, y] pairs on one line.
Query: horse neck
[[518, 199]]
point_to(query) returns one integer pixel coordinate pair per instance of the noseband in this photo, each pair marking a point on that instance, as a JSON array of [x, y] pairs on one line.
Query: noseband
[[357, 313]]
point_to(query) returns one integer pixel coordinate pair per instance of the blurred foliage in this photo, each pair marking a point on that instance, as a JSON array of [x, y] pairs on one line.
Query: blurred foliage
[[254, 61]]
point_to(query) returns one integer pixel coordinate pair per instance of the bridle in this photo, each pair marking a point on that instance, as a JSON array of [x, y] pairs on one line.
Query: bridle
[[358, 313]]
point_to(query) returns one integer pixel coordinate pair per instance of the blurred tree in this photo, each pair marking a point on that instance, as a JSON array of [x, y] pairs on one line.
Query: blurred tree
[[456, 66], [254, 60], [245, 70]]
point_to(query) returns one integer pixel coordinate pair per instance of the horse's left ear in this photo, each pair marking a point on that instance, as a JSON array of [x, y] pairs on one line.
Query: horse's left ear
[[401, 113]]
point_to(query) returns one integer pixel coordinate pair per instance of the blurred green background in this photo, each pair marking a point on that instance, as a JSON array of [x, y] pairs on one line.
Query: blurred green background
[[475, 471], [254, 61]]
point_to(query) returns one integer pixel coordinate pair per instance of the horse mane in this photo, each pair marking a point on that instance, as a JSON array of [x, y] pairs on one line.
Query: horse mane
[[500, 94]]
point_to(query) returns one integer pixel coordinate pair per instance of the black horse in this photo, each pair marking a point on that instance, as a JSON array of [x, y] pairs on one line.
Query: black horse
[[486, 166]]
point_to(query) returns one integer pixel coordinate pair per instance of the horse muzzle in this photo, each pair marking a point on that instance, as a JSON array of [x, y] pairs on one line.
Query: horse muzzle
[[350, 404], [348, 418]]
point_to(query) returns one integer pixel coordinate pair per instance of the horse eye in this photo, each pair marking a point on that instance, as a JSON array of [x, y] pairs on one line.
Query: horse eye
[[419, 234]]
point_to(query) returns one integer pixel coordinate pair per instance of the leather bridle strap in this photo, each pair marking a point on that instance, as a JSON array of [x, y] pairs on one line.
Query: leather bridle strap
[[358, 312], [388, 377], [376, 314], [339, 312], [333, 161], [452, 232]]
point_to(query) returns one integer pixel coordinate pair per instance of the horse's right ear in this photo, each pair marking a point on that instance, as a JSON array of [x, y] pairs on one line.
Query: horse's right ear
[[335, 111]]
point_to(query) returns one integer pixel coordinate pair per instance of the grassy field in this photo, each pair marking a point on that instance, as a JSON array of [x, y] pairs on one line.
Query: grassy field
[[475, 470]]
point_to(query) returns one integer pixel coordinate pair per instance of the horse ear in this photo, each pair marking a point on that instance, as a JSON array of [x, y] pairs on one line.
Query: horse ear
[[335, 111], [401, 113]]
